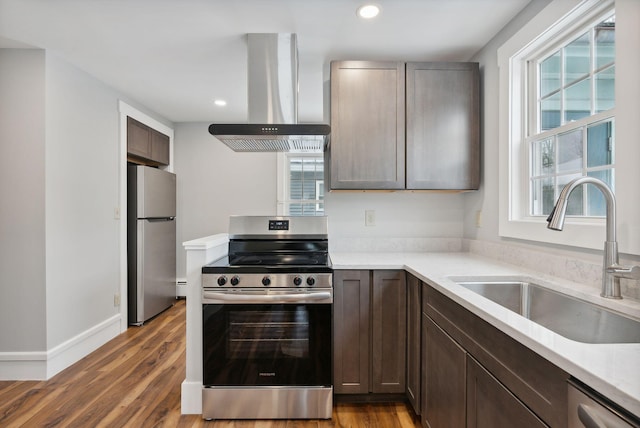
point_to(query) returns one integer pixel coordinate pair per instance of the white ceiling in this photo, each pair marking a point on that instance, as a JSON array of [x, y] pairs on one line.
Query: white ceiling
[[176, 56]]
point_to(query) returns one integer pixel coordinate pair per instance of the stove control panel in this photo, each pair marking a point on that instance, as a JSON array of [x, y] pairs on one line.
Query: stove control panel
[[261, 280]]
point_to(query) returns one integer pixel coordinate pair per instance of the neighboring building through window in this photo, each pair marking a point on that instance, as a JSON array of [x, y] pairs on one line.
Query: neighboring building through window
[[302, 184]]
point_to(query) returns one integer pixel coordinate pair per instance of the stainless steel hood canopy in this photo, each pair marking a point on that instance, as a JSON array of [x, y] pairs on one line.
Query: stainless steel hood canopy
[[273, 102]]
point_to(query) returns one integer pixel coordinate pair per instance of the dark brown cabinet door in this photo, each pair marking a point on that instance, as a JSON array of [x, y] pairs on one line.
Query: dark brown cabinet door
[[367, 125], [444, 379], [159, 147], [351, 331], [443, 126], [146, 145], [490, 404], [138, 138], [414, 320], [389, 326]]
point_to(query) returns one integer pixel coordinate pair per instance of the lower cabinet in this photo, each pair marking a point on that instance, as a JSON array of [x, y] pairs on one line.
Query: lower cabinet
[[474, 375], [369, 328], [414, 340], [444, 379], [394, 334]]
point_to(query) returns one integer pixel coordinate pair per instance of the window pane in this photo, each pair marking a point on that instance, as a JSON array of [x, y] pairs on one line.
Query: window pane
[[605, 89], [543, 157], [550, 74], [605, 39], [577, 101], [599, 145], [295, 209], [550, 112], [577, 59], [305, 175], [596, 205], [575, 204], [543, 199], [570, 151]]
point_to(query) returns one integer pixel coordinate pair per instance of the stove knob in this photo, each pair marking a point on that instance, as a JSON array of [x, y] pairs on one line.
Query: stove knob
[[311, 281], [235, 280], [222, 280], [297, 281], [266, 281]]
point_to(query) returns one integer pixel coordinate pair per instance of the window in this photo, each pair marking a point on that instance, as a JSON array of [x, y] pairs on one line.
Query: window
[[558, 119], [572, 125], [301, 188]]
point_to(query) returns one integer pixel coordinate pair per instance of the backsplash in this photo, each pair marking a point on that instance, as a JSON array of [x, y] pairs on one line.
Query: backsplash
[[562, 266], [381, 244]]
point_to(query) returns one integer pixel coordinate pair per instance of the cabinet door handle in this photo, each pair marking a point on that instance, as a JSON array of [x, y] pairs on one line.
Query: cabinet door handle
[[589, 418]]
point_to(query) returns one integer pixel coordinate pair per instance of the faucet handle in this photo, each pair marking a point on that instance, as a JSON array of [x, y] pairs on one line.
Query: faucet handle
[[629, 272]]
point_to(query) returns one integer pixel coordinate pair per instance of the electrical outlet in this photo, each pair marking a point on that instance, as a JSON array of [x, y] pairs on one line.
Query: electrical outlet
[[116, 299], [370, 218], [479, 218]]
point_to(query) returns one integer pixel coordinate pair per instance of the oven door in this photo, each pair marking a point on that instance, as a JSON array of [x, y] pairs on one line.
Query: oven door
[[267, 339]]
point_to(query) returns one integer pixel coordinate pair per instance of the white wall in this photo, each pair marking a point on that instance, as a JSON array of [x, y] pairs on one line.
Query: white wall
[[214, 182], [82, 173], [60, 171], [486, 199], [401, 219], [22, 190]]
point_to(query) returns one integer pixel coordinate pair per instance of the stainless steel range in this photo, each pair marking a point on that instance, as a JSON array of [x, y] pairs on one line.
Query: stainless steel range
[[267, 322]]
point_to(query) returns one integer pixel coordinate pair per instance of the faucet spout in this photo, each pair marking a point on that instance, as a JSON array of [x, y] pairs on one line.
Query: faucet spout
[[610, 281]]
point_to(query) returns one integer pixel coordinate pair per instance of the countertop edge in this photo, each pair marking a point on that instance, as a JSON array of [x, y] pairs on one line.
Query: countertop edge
[[206, 242]]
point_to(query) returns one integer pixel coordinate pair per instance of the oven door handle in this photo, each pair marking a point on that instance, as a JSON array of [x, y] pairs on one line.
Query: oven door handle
[[267, 298]]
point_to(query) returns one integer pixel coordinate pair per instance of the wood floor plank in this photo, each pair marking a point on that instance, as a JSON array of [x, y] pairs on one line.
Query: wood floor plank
[[135, 381]]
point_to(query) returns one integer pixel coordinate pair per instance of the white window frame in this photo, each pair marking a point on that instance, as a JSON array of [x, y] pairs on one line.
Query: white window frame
[[559, 19], [318, 184], [283, 201]]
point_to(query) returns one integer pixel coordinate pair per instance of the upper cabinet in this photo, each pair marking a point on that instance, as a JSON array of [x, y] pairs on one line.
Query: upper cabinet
[[367, 125], [145, 145], [408, 126], [443, 126]]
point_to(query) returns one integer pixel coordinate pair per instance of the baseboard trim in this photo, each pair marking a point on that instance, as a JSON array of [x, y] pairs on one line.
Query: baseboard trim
[[45, 365], [181, 287]]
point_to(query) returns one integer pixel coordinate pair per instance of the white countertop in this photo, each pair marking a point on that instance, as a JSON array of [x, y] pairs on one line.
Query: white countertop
[[611, 369]]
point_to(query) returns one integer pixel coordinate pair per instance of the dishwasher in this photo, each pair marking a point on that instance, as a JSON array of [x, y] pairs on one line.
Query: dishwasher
[[587, 409]]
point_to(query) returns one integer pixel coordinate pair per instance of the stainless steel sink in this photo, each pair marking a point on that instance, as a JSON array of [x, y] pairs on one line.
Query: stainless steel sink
[[570, 317]]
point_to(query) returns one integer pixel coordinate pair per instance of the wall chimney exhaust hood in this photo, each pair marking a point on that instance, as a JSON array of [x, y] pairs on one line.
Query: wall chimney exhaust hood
[[273, 102]]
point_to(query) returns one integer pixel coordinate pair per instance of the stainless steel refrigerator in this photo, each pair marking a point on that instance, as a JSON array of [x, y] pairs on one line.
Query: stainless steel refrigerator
[[151, 241]]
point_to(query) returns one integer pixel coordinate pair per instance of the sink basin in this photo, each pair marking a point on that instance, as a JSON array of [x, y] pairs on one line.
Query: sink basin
[[570, 317]]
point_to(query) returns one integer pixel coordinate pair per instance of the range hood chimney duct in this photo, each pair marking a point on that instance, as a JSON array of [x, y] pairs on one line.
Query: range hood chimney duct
[[273, 102]]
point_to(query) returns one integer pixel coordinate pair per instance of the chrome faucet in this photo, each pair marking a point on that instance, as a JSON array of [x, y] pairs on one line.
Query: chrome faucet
[[611, 270]]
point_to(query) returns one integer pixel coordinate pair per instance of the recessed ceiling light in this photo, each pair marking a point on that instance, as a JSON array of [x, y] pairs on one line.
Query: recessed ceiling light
[[220, 103], [368, 11]]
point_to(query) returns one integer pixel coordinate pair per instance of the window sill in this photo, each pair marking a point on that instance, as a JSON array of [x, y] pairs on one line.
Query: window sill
[[582, 233]]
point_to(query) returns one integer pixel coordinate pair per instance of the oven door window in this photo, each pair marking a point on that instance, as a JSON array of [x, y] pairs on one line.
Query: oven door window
[[271, 345]]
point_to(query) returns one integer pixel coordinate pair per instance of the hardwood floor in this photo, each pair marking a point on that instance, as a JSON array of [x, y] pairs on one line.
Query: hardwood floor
[[134, 381]]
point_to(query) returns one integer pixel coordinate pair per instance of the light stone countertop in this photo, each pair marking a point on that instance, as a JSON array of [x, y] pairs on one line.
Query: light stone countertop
[[611, 369]]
